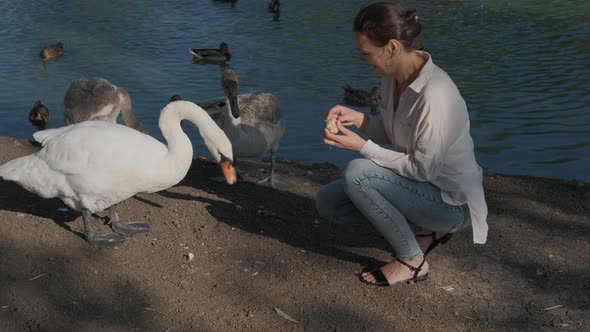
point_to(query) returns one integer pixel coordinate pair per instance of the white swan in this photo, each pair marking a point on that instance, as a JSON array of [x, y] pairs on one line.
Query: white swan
[[94, 165], [253, 122], [98, 99]]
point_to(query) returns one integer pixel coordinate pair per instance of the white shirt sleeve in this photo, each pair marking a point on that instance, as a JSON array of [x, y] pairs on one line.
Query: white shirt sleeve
[[429, 143], [430, 135]]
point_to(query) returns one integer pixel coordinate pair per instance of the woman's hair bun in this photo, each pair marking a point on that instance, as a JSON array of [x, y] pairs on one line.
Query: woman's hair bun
[[411, 15], [384, 21]]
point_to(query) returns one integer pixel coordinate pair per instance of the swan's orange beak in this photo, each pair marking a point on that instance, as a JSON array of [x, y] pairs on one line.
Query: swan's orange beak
[[229, 172]]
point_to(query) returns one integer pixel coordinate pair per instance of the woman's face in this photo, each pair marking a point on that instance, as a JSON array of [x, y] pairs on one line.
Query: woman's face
[[373, 55]]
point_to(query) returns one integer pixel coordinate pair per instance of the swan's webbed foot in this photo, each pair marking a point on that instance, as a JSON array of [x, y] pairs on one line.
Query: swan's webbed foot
[[130, 229], [127, 229], [270, 181], [105, 240]]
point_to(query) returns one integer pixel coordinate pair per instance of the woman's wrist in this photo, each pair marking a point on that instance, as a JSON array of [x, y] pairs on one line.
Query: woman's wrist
[[364, 123]]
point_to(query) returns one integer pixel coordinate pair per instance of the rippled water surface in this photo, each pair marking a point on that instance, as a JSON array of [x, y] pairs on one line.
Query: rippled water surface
[[522, 67]]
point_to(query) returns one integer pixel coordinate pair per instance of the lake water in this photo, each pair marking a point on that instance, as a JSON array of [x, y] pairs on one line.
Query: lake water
[[522, 66]]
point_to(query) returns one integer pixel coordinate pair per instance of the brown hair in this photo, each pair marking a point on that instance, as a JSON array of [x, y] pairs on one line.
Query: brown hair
[[383, 21]]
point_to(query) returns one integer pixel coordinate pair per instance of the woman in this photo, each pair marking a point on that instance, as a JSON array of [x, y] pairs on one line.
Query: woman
[[429, 184]]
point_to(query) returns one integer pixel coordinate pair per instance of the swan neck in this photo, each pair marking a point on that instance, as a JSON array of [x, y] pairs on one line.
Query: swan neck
[[127, 111], [230, 121], [179, 143]]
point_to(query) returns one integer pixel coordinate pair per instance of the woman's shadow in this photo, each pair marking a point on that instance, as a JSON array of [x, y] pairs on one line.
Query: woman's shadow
[[285, 216]]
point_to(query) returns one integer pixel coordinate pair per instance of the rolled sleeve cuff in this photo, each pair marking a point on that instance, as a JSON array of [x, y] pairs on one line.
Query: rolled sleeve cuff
[[370, 149]]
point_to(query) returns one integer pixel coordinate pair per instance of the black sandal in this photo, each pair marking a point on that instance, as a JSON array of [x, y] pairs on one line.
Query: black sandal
[[416, 270], [381, 280], [435, 242]]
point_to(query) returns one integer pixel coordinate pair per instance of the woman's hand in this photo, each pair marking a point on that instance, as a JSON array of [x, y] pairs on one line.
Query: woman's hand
[[347, 140], [346, 116]]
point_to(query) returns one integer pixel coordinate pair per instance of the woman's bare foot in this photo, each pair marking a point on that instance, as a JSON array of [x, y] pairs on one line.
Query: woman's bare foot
[[395, 271]]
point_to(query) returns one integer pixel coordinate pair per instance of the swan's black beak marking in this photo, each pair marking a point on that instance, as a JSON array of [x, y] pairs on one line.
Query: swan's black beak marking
[[230, 88]]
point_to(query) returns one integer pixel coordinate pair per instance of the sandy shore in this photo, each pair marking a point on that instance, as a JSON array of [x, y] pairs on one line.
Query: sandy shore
[[257, 251]]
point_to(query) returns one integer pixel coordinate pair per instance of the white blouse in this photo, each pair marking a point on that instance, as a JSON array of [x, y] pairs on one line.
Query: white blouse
[[429, 132]]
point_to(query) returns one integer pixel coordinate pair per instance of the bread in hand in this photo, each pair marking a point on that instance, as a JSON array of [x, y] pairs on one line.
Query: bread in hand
[[331, 125]]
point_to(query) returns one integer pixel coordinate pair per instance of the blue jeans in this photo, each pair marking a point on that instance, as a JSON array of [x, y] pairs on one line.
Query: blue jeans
[[395, 205]]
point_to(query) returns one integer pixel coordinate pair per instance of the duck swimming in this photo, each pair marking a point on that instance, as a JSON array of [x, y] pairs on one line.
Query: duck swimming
[[220, 54], [253, 123], [357, 97], [213, 107], [275, 7], [52, 51], [175, 98], [98, 99], [93, 165], [39, 115], [233, 2]]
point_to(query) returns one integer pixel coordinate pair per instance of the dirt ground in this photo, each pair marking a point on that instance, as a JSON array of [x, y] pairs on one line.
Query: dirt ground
[[247, 258]]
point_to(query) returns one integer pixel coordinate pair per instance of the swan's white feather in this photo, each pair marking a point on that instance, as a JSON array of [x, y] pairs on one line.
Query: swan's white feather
[[96, 164]]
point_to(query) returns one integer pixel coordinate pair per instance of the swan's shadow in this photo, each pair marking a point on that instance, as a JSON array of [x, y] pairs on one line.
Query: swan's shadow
[[147, 201], [16, 199]]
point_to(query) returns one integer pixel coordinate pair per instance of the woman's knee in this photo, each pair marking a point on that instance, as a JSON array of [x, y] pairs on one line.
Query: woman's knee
[[356, 171], [357, 168]]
